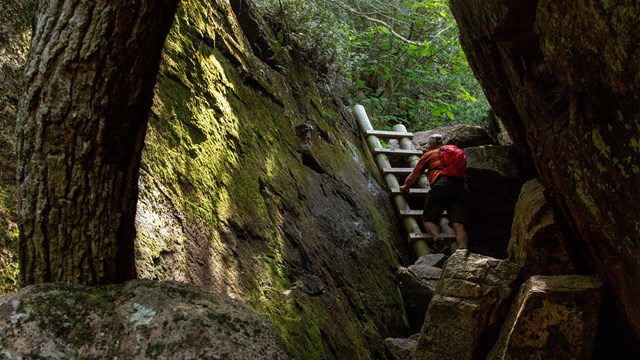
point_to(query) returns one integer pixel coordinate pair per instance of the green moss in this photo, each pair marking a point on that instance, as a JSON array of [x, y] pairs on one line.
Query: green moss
[[581, 191], [9, 269], [222, 144], [598, 141], [154, 350], [299, 329], [635, 145], [380, 223]]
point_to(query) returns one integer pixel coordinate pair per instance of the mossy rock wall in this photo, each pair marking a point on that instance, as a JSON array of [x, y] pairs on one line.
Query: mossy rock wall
[[256, 183]]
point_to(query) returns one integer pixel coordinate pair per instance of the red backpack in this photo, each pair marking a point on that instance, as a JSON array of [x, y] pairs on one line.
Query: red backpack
[[454, 161]]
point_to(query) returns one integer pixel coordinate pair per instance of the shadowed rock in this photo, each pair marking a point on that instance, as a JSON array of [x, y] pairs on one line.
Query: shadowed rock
[[417, 285], [563, 77], [554, 317], [537, 244], [471, 301], [435, 260], [400, 349]]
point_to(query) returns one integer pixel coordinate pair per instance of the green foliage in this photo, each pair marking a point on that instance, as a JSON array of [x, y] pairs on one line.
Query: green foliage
[[281, 51], [8, 243], [318, 34], [401, 60]]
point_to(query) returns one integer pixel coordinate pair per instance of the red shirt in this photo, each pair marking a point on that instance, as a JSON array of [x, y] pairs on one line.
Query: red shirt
[[430, 161]]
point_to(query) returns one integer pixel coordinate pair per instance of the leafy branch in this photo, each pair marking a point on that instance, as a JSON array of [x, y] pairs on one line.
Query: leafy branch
[[375, 21], [421, 83]]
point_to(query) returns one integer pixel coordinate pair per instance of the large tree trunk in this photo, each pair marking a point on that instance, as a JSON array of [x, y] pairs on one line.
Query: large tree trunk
[[81, 127]]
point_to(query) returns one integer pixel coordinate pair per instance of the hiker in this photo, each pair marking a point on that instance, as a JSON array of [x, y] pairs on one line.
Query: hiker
[[448, 190]]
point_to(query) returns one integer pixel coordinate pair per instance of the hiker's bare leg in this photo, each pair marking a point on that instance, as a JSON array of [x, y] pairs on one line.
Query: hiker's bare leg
[[438, 242], [461, 234], [432, 228]]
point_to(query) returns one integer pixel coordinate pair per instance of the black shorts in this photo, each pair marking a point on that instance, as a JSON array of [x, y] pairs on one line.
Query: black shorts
[[450, 194]]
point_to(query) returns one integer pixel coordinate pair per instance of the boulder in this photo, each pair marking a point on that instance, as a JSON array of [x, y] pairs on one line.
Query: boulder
[[495, 180], [435, 260], [465, 314], [399, 348], [497, 129], [417, 286], [552, 318], [140, 319], [427, 274], [462, 136], [537, 243]]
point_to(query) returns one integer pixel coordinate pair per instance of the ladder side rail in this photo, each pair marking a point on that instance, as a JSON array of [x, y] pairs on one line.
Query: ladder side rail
[[410, 224]]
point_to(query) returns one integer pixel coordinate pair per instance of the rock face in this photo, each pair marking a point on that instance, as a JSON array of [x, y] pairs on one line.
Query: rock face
[[257, 183], [537, 244], [470, 304], [400, 349], [554, 317], [140, 319], [562, 76]]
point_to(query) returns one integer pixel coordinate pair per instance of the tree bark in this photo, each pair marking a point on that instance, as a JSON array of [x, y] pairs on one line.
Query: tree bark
[[82, 120]]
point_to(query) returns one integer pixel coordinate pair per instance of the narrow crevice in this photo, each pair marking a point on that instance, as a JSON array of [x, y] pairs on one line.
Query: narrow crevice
[[310, 162]]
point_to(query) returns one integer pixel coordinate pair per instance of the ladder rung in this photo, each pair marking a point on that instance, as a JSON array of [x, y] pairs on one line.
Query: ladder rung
[[411, 213], [390, 134], [397, 171], [415, 191], [428, 237], [415, 213], [396, 152]]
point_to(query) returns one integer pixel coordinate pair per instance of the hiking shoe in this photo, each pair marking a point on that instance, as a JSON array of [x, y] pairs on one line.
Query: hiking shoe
[[440, 245], [463, 251], [438, 240]]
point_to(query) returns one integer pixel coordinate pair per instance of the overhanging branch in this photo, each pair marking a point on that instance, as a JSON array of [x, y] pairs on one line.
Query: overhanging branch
[[376, 21]]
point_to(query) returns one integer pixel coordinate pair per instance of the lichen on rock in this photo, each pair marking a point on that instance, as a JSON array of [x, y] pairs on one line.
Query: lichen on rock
[[136, 320]]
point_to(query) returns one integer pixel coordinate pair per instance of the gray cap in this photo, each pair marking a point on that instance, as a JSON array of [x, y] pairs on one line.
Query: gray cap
[[435, 139]]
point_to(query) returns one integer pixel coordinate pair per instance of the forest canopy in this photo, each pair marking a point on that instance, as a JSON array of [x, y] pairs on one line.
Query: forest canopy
[[400, 59]]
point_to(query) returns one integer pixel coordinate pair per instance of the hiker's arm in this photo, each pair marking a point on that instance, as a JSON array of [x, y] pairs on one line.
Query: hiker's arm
[[415, 173]]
